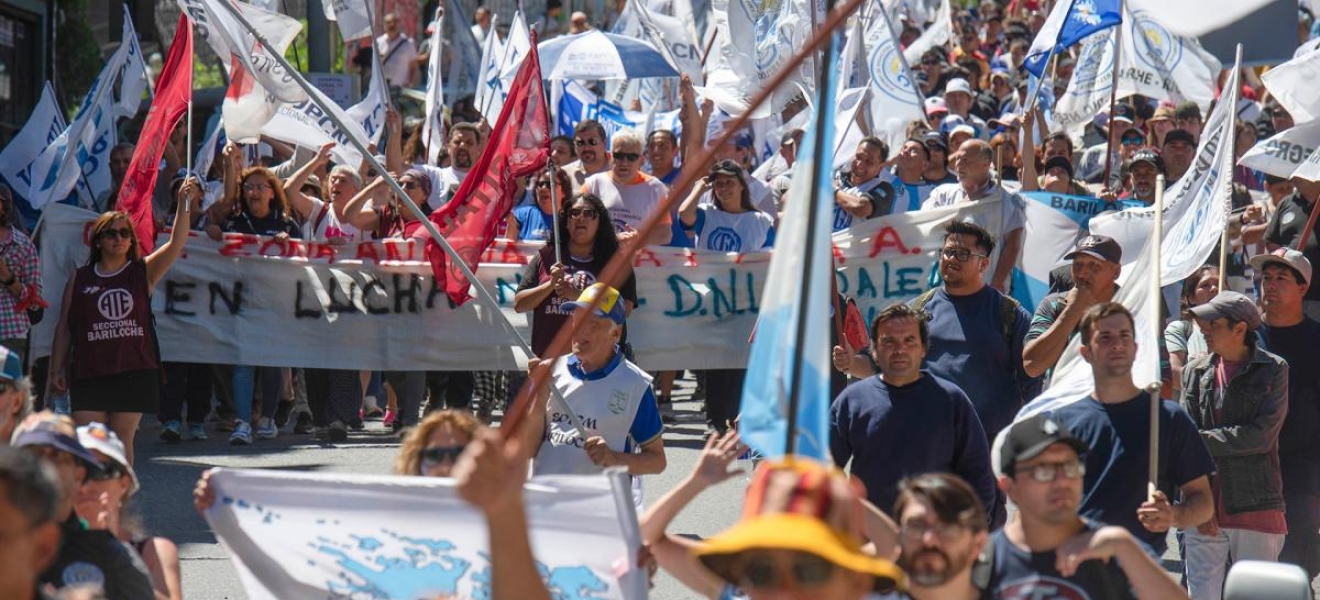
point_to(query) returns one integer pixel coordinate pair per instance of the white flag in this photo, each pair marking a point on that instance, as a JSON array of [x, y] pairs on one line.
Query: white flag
[[1155, 63], [894, 100], [133, 75], [353, 16], [1284, 152], [18, 158], [370, 112], [1195, 212], [850, 132], [488, 80], [462, 53], [303, 536], [433, 129], [937, 34], [853, 70], [1293, 84], [1199, 17], [761, 37], [258, 85]]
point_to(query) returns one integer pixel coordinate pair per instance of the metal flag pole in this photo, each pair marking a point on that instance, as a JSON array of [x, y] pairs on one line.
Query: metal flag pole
[[1157, 318], [483, 294]]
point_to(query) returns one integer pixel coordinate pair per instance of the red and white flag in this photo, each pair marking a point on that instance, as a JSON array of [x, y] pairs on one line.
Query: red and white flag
[[173, 93], [519, 146]]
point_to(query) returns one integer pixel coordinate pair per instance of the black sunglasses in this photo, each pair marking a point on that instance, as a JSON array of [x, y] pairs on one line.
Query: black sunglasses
[[582, 213], [544, 183], [106, 473], [581, 142], [438, 454], [123, 232], [627, 156]]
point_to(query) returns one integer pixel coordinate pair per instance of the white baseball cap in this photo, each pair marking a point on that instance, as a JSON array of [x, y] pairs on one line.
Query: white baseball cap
[[99, 438], [958, 85]]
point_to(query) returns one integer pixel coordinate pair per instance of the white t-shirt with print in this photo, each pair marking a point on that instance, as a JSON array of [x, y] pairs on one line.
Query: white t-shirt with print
[[629, 204], [722, 231]]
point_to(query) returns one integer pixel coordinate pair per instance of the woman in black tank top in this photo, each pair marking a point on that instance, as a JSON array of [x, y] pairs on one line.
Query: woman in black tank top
[[106, 333]]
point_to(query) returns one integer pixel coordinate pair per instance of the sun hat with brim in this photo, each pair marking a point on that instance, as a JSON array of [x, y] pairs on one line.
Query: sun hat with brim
[[800, 505], [96, 437], [46, 428]]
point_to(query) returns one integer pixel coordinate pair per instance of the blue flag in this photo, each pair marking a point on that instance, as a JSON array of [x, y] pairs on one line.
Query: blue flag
[[791, 350], [1068, 23]]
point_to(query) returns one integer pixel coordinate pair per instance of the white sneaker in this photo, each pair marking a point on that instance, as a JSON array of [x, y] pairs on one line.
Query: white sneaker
[[242, 434], [266, 429]]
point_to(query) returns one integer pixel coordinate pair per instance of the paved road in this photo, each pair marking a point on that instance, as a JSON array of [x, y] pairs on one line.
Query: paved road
[[168, 473]]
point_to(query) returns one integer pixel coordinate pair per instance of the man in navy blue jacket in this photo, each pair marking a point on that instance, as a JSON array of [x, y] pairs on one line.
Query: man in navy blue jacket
[[906, 421]]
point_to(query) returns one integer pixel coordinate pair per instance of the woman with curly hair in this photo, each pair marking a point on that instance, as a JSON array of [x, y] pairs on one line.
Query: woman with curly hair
[[105, 352], [431, 448]]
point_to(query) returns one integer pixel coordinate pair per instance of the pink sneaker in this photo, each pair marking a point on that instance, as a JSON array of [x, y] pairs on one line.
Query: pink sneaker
[[390, 415]]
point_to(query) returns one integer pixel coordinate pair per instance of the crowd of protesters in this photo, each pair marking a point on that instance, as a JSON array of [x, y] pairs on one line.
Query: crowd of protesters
[[947, 494]]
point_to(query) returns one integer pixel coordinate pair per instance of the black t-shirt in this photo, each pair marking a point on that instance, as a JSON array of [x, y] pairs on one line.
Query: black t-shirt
[[269, 225], [1287, 223], [1299, 444], [550, 315], [96, 557], [1022, 575], [1119, 460]]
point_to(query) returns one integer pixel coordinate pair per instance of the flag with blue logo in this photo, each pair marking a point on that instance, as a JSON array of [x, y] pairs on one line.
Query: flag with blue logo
[[1068, 23], [788, 373]]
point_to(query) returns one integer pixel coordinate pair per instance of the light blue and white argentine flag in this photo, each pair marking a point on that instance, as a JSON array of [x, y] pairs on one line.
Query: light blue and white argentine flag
[[791, 351], [1068, 23]]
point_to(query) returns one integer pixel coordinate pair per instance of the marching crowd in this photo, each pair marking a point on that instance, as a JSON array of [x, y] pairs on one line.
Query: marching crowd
[[947, 496]]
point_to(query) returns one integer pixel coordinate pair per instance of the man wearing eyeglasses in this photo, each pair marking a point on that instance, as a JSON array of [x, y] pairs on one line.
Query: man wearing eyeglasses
[[590, 140], [86, 557], [942, 531], [1048, 546], [1114, 422], [629, 194]]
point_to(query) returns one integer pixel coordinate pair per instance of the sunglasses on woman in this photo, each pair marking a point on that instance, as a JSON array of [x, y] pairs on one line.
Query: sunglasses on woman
[[582, 213], [114, 234], [106, 473], [439, 454], [805, 570]]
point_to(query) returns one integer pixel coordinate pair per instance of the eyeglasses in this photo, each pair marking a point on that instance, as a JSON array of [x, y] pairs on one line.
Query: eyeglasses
[[806, 570], [106, 473], [581, 142], [582, 213], [627, 156], [410, 185], [543, 184], [1047, 472], [114, 234], [945, 532], [439, 454], [961, 254], [255, 187]]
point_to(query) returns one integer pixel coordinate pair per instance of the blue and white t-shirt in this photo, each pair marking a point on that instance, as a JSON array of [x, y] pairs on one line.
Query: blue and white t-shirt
[[877, 190], [908, 197], [722, 231], [533, 223]]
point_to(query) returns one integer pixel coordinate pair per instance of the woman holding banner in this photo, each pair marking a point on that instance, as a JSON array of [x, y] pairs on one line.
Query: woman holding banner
[[105, 343]]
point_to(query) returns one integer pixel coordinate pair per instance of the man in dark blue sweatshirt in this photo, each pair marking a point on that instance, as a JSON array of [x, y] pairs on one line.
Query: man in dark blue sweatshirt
[[906, 421]]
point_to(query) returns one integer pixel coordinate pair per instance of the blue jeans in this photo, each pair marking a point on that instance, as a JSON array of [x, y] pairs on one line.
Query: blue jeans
[[244, 385]]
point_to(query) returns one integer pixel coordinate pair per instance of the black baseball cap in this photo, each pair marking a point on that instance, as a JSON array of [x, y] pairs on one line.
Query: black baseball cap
[[1102, 247], [1029, 438], [935, 138], [1179, 135], [1060, 162], [1147, 156]]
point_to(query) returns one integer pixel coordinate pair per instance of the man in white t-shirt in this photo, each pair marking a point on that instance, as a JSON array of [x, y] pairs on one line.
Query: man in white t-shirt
[[464, 149], [396, 51], [629, 194], [611, 396], [590, 140], [972, 163]]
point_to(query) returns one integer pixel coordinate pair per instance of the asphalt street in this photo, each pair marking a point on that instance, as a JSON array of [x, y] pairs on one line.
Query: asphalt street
[[168, 473]]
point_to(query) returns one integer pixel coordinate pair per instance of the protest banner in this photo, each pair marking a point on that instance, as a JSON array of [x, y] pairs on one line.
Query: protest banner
[[375, 306], [304, 536]]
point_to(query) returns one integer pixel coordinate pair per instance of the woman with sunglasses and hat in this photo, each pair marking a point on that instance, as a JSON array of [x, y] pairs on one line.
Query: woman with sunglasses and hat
[[103, 503], [105, 352]]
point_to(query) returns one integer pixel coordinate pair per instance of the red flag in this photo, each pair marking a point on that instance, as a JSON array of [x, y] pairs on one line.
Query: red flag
[[173, 92], [519, 146]]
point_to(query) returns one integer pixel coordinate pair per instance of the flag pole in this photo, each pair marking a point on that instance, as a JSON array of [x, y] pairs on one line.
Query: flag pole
[[1113, 93], [1152, 484], [483, 294]]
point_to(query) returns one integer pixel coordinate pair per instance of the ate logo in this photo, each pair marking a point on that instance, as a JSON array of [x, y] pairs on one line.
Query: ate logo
[[1042, 587], [115, 304]]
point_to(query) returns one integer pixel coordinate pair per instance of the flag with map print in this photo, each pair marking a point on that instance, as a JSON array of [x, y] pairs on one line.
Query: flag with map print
[[304, 536]]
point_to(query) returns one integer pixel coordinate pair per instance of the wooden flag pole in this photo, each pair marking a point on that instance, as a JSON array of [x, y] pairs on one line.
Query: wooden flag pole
[[1153, 480]]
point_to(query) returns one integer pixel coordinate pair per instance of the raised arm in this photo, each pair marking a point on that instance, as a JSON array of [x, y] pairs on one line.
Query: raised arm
[[356, 212], [299, 201], [1030, 179], [687, 212], [393, 141], [163, 258], [232, 170]]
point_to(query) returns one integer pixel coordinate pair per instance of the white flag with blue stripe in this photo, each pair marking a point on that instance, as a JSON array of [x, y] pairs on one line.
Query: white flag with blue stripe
[[1068, 23]]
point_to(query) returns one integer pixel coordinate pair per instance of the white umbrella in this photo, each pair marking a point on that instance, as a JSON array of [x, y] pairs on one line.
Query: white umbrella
[[598, 55]]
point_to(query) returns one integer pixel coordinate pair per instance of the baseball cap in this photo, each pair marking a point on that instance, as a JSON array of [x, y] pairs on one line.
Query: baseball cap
[[726, 167], [1231, 305], [1287, 257], [602, 300], [935, 138], [1146, 156], [935, 105], [1187, 110], [11, 366], [1007, 119], [46, 428], [1123, 113], [97, 437], [951, 122], [1179, 135], [958, 84], [1102, 247], [1029, 438], [1059, 162], [964, 128], [800, 505]]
